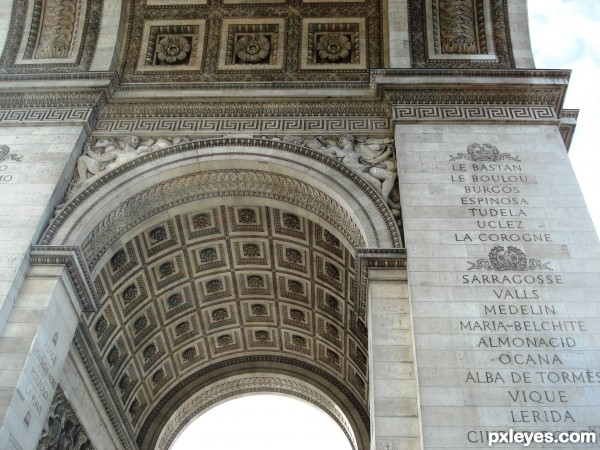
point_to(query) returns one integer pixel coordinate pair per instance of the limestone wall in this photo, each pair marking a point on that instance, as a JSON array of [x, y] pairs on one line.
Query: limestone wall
[[34, 172], [503, 261]]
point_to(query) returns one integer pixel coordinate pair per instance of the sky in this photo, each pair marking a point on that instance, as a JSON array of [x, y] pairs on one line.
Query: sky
[[564, 35], [263, 422]]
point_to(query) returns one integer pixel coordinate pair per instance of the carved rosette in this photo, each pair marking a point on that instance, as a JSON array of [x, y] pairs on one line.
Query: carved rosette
[[334, 46], [171, 49], [252, 48]]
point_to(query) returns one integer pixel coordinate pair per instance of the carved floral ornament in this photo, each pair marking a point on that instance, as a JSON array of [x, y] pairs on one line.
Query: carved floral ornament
[[334, 46], [173, 48], [252, 48]]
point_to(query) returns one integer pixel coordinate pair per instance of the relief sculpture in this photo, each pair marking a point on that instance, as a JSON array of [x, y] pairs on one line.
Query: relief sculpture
[[63, 430], [108, 154], [372, 158], [56, 36], [458, 27]]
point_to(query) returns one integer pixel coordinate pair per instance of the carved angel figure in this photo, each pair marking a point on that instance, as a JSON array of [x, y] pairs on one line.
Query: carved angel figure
[[108, 154], [372, 158]]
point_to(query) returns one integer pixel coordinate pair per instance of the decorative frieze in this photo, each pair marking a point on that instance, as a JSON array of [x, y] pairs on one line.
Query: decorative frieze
[[214, 126], [479, 113]]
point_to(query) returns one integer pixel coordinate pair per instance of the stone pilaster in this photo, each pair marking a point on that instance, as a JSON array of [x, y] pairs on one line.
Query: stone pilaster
[[33, 347]]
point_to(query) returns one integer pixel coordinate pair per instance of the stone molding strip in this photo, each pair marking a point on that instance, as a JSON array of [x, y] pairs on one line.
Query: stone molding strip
[[249, 384], [71, 258], [244, 109], [103, 387], [48, 109], [381, 259], [568, 123]]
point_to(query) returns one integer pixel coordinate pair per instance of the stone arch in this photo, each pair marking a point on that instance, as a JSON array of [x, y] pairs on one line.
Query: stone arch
[[240, 385], [220, 257], [363, 204]]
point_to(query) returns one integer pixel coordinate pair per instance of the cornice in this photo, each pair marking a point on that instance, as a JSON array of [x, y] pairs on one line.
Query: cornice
[[76, 268], [568, 123], [379, 75], [374, 258], [34, 99], [474, 95]]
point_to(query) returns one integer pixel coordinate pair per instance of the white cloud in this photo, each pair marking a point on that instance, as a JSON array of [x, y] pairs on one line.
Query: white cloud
[[563, 30], [564, 35]]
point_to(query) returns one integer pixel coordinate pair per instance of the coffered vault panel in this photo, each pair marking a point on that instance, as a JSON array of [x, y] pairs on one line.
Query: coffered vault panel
[[212, 284], [241, 41]]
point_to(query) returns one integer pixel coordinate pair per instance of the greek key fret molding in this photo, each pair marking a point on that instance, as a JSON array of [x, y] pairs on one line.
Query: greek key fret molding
[[210, 126], [208, 119], [46, 116], [76, 268], [478, 113], [251, 383], [48, 108], [369, 108]]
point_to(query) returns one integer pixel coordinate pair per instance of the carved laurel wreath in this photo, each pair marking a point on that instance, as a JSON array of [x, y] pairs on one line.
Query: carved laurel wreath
[[484, 152], [510, 259]]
